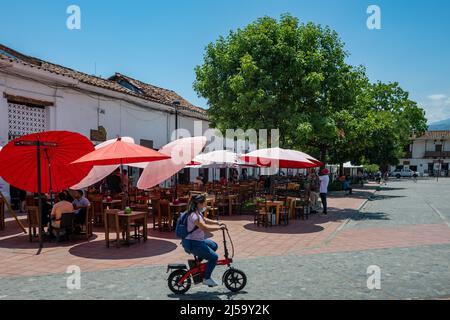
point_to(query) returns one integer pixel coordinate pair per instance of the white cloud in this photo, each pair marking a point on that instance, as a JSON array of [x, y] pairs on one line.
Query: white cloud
[[437, 107], [437, 97]]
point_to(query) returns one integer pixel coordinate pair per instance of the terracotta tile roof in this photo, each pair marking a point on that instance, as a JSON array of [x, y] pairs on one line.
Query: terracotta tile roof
[[436, 135], [146, 91]]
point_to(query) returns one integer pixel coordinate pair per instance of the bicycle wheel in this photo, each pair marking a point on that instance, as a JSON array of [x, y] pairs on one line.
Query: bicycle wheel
[[176, 287], [234, 280]]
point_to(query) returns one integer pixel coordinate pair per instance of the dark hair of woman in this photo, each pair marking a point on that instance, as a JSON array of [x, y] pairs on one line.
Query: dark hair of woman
[[195, 200]]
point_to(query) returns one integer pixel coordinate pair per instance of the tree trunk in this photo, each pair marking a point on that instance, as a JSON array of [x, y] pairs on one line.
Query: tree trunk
[[323, 155], [341, 169]]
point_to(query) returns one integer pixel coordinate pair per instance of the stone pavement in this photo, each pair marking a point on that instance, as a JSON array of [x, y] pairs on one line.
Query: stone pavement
[[403, 229], [162, 247]]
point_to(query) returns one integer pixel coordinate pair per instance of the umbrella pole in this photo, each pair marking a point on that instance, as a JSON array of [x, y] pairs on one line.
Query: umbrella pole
[[38, 144], [176, 187], [123, 185], [49, 175]]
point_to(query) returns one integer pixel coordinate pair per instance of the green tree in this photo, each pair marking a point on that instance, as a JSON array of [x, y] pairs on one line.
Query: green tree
[[293, 77], [390, 120], [279, 74]]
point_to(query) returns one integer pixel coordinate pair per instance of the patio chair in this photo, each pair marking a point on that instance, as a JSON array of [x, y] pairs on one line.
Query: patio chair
[[33, 221], [65, 223], [164, 216], [97, 209], [221, 204], [236, 203], [156, 212], [262, 215], [302, 206], [138, 224]]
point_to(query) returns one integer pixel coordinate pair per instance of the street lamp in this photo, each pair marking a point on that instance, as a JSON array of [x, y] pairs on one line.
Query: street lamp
[[176, 105]]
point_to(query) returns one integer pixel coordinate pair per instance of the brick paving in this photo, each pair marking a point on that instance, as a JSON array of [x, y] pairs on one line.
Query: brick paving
[[403, 229], [249, 240]]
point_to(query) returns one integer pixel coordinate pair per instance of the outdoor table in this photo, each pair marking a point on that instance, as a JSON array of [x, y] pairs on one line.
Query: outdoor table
[[128, 219], [278, 205], [112, 203], [176, 209]]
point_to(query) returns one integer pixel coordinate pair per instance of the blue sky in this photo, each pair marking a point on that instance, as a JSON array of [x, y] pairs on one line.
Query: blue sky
[[160, 42]]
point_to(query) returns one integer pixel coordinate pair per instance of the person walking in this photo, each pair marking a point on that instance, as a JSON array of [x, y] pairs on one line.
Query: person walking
[[313, 187], [324, 181]]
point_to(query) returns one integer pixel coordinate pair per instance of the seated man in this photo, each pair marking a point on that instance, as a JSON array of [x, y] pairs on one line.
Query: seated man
[[81, 205], [62, 206]]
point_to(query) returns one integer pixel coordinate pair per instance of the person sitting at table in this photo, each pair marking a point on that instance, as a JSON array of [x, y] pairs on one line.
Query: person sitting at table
[[114, 182], [60, 207], [223, 180], [69, 196], [196, 242], [81, 205], [199, 180]]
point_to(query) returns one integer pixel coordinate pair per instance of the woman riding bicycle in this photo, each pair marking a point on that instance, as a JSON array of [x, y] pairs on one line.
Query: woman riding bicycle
[[196, 242]]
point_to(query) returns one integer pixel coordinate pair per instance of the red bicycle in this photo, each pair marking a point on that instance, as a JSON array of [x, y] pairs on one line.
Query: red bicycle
[[181, 278]]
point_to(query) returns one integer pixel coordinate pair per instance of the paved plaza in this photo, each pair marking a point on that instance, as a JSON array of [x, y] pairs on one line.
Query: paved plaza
[[403, 228]]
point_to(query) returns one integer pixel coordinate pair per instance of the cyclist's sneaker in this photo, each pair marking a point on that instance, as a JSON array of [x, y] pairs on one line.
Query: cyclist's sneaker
[[210, 283]]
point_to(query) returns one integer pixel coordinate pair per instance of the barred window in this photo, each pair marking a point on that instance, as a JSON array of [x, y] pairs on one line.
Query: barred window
[[23, 119]]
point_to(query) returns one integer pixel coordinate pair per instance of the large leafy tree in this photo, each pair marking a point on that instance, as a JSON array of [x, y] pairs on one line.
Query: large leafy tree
[[279, 75], [391, 118], [293, 77]]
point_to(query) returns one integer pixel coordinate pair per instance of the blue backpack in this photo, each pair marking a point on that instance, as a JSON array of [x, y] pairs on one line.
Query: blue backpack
[[181, 230]]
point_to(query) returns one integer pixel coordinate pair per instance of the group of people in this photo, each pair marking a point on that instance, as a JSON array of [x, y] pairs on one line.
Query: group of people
[[67, 201], [317, 185], [114, 184]]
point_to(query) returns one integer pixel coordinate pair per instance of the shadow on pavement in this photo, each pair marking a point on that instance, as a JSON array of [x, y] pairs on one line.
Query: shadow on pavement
[[22, 242], [98, 250], [207, 295], [343, 214], [291, 228]]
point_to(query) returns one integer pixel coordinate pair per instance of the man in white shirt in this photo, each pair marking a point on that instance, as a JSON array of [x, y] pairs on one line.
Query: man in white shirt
[[324, 181]]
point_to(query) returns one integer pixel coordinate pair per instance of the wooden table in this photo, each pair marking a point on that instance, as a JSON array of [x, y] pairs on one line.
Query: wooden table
[[112, 204], [130, 218], [278, 205], [176, 209]]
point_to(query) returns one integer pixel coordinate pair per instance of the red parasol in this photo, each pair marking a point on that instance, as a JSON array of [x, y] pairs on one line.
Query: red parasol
[[281, 158], [19, 165], [41, 162], [121, 152]]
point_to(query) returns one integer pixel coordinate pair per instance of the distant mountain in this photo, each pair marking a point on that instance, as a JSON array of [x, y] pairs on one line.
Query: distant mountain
[[440, 125]]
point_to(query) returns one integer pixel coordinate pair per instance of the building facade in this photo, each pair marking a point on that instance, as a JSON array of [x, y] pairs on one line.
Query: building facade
[[428, 154], [37, 96]]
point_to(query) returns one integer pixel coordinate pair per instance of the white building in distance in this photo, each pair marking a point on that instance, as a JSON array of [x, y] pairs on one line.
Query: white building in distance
[[428, 154]]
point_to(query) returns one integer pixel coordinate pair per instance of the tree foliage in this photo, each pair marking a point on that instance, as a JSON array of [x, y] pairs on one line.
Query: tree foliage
[[293, 77]]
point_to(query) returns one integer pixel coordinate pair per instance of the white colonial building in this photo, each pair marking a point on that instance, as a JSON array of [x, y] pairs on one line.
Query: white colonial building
[[428, 154], [36, 96]]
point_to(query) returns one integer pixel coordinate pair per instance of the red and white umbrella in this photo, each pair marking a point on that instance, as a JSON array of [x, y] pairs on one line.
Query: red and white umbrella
[[98, 173], [281, 158], [121, 152], [181, 153], [220, 159]]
